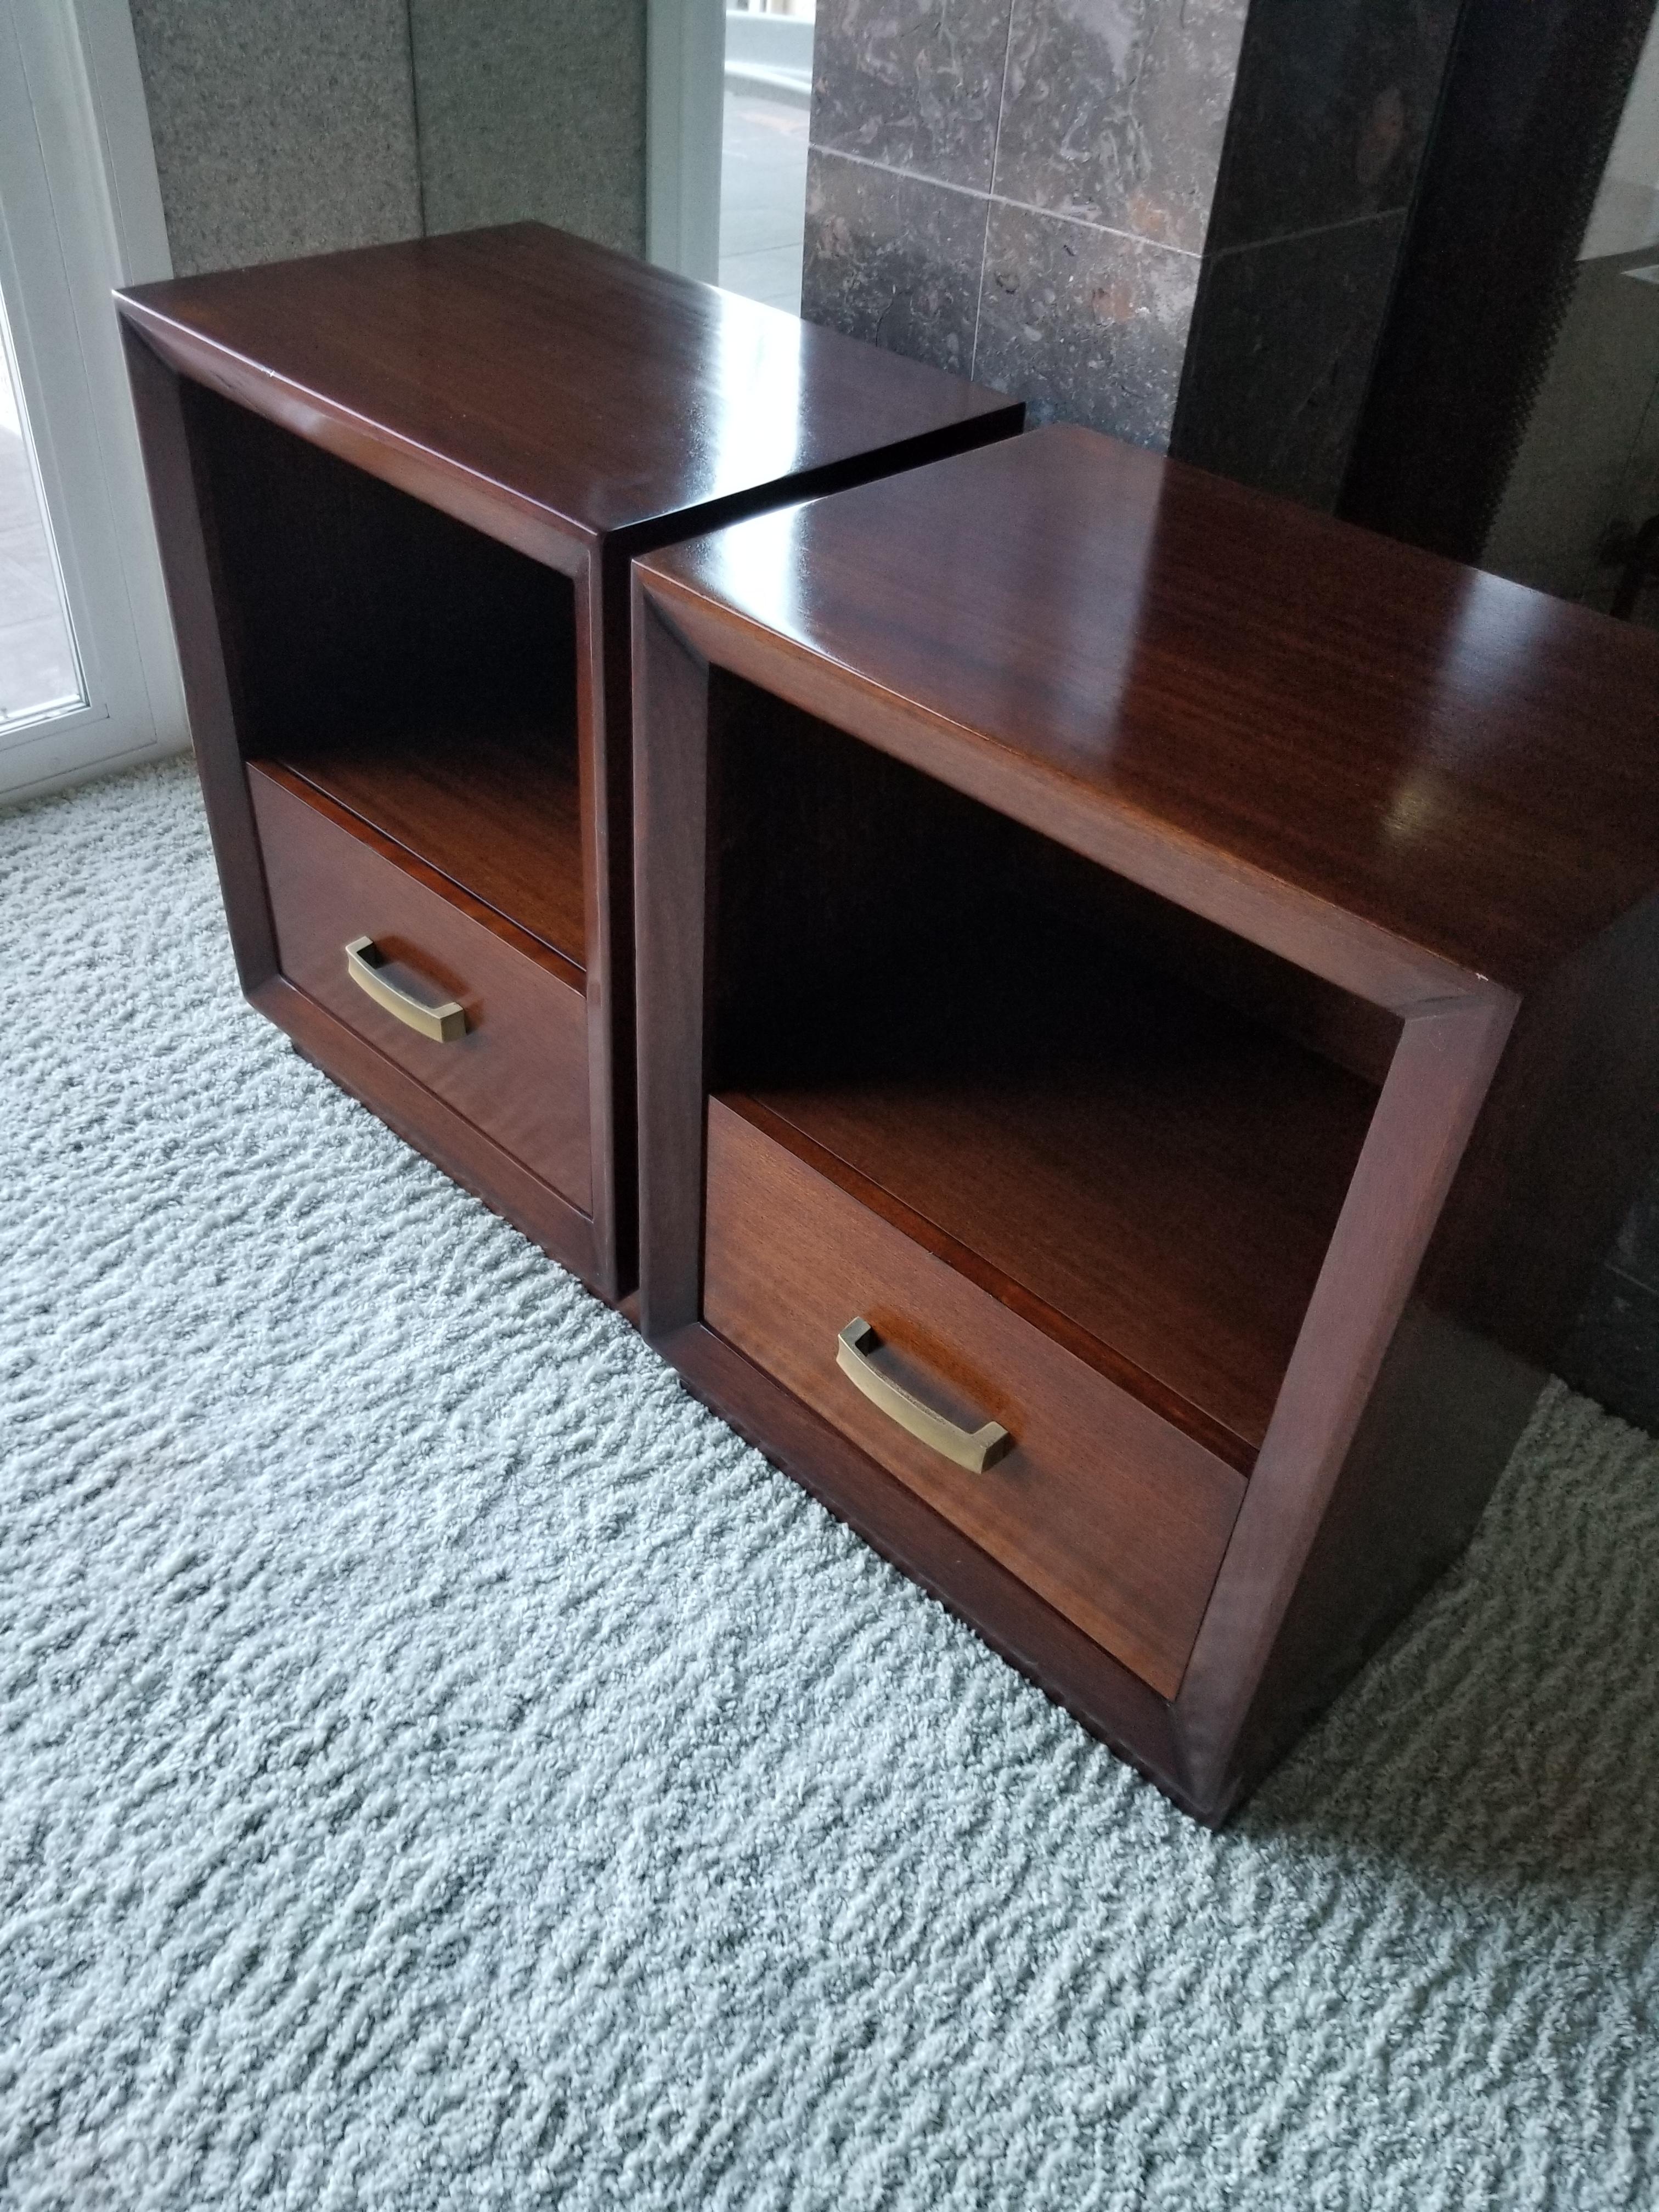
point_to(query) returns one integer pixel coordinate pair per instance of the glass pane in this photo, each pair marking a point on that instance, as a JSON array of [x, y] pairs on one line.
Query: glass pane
[[769, 96], [39, 674]]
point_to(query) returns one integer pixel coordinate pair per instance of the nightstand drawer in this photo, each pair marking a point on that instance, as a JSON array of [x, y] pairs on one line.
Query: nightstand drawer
[[1115, 1517], [515, 1064]]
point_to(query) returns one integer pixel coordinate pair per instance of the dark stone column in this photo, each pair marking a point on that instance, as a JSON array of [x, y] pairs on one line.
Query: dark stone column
[[1330, 118], [1177, 223]]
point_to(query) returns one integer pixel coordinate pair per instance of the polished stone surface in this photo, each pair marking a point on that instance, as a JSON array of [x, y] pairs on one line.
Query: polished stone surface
[[1332, 113], [1281, 347], [1115, 110], [528, 111], [281, 126], [894, 259], [1279, 139], [912, 84], [1086, 325]]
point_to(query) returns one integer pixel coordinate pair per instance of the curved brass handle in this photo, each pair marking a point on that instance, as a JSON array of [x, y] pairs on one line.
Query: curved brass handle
[[443, 1024], [977, 1451]]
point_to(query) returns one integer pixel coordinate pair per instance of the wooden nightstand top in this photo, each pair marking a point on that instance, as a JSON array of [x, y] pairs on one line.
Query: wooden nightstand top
[[1300, 712], [597, 393]]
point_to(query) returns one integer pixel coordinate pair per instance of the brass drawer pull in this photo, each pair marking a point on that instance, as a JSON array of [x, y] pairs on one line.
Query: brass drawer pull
[[443, 1024], [977, 1451]]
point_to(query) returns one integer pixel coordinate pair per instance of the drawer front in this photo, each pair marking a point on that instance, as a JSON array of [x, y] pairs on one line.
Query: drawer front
[[520, 1073], [1115, 1518]]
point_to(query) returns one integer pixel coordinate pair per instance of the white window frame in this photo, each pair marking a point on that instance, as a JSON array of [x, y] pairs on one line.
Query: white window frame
[[80, 213], [685, 69]]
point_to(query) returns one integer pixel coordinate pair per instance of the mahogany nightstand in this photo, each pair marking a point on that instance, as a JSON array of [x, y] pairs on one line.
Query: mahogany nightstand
[[1149, 1016], [398, 491]]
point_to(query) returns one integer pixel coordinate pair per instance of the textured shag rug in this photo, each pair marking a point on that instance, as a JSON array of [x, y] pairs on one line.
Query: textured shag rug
[[441, 1766]]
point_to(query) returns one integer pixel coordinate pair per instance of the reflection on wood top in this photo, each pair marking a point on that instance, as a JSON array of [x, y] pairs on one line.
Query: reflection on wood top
[[1469, 765], [601, 392]]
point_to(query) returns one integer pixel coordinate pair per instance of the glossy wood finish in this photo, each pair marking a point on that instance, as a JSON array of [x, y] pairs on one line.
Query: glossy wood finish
[[181, 538], [1165, 1179], [519, 1074], [458, 1146], [1402, 815], [990, 1035], [496, 811], [1442, 1071], [1110, 1514], [398, 491], [1176, 1247], [1104, 1695], [1438, 774], [531, 383]]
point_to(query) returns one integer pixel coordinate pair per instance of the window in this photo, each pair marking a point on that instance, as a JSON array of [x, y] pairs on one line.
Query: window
[[89, 676]]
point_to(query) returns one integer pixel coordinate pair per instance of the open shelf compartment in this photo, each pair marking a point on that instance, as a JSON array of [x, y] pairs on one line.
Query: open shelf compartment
[[414, 670], [1130, 1126]]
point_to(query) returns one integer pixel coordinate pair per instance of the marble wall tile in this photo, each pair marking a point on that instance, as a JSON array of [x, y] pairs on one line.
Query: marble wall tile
[[1332, 113], [1282, 341], [892, 258], [1086, 326], [281, 126], [1115, 111], [914, 84], [532, 111]]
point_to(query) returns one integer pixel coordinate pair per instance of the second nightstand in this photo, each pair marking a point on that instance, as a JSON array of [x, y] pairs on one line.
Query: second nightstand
[[1147, 1022]]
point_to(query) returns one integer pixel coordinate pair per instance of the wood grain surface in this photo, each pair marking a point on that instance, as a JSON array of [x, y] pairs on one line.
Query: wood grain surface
[[497, 811], [1106, 1510], [519, 1074], [1405, 772], [550, 381]]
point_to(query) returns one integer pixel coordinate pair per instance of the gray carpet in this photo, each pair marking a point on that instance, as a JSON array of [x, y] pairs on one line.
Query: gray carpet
[[440, 1766]]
